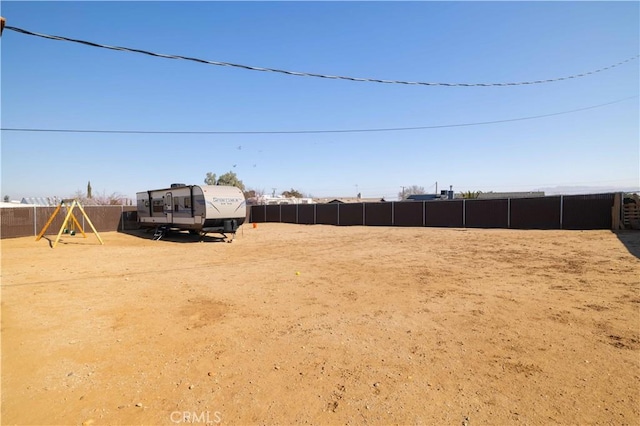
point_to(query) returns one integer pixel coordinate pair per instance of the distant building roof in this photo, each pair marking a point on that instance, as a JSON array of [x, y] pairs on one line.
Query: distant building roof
[[493, 195], [40, 201], [424, 197], [342, 200], [279, 199], [13, 204]]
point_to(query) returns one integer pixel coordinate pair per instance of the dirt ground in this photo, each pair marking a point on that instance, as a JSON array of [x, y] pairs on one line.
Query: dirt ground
[[294, 324]]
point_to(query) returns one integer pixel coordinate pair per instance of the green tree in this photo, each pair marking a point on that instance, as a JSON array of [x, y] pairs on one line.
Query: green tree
[[211, 179], [89, 195], [229, 178], [6, 199], [293, 193]]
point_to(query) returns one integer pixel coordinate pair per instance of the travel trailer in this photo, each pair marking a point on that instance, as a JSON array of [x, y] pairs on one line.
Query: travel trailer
[[199, 209]]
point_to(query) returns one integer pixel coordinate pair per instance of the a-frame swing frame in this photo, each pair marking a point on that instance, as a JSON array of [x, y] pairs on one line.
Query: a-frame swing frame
[[70, 216]]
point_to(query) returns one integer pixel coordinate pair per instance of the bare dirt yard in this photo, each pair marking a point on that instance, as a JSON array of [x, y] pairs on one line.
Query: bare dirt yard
[[294, 324]]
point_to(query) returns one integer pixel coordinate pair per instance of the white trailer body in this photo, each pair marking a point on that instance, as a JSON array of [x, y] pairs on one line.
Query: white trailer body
[[196, 208]]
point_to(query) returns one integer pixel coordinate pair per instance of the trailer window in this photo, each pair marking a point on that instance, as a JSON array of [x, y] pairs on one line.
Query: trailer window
[[187, 202], [158, 206]]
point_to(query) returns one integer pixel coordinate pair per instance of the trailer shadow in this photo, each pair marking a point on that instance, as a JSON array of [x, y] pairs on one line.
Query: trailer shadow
[[631, 240], [175, 236]]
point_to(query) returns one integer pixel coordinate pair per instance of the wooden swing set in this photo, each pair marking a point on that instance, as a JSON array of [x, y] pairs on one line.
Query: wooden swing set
[[70, 224]]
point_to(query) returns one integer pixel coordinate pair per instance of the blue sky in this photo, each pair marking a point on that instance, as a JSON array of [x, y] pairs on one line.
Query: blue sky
[[61, 85]]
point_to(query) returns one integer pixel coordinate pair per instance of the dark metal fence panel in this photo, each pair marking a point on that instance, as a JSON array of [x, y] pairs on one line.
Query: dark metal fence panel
[[487, 213], [16, 222], [351, 214], [258, 214], [587, 211], [444, 213], [306, 214], [378, 214], [288, 213], [408, 213], [272, 213], [535, 213], [327, 214]]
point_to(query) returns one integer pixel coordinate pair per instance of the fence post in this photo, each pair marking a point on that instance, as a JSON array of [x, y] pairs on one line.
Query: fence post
[[424, 213], [338, 204], [364, 217], [297, 221], [280, 213], [464, 212], [315, 221], [35, 221], [393, 214], [508, 212], [561, 208]]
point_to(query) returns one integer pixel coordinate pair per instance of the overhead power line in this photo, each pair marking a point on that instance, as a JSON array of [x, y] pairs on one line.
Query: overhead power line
[[390, 129], [306, 74]]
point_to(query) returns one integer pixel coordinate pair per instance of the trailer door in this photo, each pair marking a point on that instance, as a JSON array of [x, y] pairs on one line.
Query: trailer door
[[168, 207]]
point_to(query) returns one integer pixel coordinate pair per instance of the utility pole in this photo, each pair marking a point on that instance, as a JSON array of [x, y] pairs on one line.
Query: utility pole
[[2, 21], [273, 194], [402, 192], [436, 187]]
